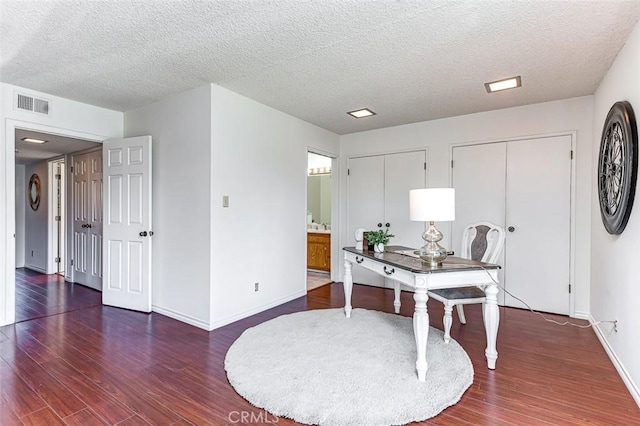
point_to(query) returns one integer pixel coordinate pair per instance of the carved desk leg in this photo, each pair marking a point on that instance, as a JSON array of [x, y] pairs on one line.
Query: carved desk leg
[[348, 286], [421, 330], [396, 294], [491, 315]]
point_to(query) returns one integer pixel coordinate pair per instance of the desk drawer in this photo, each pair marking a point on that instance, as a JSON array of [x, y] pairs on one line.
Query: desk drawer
[[381, 269]]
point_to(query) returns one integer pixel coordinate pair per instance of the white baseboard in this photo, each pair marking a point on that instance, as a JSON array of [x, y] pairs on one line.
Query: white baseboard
[[622, 371], [35, 268], [181, 317], [582, 316], [234, 318]]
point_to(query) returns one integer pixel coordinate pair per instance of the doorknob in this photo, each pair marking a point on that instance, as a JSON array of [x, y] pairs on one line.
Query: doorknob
[[511, 229], [379, 224], [143, 234], [84, 225], [387, 224]]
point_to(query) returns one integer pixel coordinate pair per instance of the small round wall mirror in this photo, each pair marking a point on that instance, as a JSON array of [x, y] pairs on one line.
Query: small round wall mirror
[[34, 192]]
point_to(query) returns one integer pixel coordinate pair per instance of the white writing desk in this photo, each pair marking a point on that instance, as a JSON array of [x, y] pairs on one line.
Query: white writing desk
[[411, 271]]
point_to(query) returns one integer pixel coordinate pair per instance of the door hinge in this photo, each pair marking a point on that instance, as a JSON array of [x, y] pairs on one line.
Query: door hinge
[[71, 169], [572, 154], [425, 165], [58, 260], [58, 218], [348, 172], [71, 262], [452, 164], [58, 176], [569, 288]]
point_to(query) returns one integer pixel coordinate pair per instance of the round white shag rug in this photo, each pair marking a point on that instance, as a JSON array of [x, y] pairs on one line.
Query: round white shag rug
[[319, 367]]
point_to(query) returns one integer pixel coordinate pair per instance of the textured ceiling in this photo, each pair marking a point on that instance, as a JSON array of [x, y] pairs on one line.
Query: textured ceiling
[[407, 60]]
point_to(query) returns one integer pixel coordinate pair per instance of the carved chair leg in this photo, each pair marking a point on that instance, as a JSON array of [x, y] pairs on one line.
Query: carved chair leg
[[447, 321], [461, 316]]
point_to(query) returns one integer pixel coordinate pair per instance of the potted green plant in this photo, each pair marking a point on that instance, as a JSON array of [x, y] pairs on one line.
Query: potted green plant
[[379, 239]]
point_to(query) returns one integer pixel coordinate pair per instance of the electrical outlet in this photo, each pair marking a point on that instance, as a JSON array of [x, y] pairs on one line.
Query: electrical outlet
[[225, 201], [256, 287]]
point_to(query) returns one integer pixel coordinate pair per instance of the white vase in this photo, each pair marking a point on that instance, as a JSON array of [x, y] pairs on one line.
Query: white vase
[[378, 248]]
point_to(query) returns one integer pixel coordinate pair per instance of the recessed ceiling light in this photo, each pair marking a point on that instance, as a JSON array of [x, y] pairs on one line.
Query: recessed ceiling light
[[508, 83], [361, 113], [33, 140]]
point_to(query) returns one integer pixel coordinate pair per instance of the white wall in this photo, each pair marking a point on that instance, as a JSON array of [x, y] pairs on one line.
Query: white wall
[[259, 159], [67, 118], [615, 287], [36, 222], [439, 135], [180, 127], [21, 204]]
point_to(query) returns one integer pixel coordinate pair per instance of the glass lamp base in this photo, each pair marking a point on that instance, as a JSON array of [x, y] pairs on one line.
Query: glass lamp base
[[432, 252]]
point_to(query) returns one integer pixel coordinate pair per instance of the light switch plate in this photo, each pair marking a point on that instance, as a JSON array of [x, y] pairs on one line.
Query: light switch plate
[[225, 201]]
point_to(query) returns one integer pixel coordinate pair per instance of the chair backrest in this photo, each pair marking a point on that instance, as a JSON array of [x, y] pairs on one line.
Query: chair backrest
[[482, 241]]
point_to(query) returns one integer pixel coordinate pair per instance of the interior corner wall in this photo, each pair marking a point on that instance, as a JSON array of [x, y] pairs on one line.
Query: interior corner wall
[[21, 204], [67, 117], [36, 222], [615, 290], [259, 160], [181, 140], [575, 114]]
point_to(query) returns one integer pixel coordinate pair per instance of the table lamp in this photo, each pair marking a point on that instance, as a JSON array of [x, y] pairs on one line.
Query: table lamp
[[430, 205]]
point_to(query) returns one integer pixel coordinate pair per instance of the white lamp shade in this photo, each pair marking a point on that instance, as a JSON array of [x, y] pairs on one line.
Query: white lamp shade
[[432, 204]]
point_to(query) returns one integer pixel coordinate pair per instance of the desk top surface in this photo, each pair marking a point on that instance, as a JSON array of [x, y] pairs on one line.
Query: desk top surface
[[416, 265]]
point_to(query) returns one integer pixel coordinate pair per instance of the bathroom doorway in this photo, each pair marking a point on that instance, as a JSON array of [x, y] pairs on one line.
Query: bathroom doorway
[[318, 220]]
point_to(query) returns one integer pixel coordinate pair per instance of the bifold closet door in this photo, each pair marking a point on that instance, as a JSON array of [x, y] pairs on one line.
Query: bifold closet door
[[479, 180], [525, 187], [403, 172], [379, 188], [538, 221], [366, 206]]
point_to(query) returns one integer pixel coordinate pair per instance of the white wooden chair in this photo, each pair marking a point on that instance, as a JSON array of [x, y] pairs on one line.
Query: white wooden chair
[[481, 241]]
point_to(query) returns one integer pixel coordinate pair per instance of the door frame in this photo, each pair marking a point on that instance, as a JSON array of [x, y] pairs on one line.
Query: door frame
[[572, 201], [334, 273], [54, 238], [8, 284]]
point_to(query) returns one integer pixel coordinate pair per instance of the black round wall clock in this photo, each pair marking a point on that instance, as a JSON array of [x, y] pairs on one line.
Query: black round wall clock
[[618, 167]]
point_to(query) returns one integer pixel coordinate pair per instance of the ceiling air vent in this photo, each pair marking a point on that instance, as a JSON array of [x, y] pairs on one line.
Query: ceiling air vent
[[29, 103]]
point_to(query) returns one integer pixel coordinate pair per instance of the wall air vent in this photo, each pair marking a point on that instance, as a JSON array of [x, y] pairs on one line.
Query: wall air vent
[[29, 103]]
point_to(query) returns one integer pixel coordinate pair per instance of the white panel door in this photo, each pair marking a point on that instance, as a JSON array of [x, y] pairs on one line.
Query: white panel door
[[403, 172], [478, 177], [94, 220], [80, 214], [127, 225], [365, 206], [538, 220]]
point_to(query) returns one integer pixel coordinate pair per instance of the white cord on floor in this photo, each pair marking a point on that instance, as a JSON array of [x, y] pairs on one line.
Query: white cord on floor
[[614, 322]]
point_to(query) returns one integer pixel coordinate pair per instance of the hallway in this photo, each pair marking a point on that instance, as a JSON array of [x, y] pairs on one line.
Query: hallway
[[39, 295]]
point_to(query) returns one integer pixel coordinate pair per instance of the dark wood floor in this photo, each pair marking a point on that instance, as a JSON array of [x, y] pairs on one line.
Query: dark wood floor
[[39, 295], [102, 365]]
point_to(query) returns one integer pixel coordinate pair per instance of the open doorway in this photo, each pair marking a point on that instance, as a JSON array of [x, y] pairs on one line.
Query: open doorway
[[319, 211], [44, 206]]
